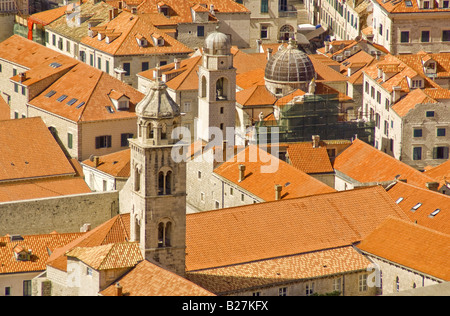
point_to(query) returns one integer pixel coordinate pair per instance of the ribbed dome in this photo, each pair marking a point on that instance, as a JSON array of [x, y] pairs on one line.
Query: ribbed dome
[[289, 65], [218, 43]]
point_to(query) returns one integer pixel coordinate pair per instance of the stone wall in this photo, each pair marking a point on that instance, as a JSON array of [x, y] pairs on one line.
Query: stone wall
[[62, 214]]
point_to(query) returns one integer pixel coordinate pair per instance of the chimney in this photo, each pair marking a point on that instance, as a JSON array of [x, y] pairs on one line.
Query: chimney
[[241, 172], [327, 47], [433, 186], [315, 141], [120, 5], [377, 55], [258, 45], [269, 53], [118, 289], [96, 161], [85, 228], [177, 63], [278, 189], [22, 77]]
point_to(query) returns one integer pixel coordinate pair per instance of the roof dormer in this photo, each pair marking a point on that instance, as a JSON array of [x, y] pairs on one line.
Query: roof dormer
[[429, 65], [141, 40], [120, 101], [163, 8], [158, 40], [415, 82], [21, 253]]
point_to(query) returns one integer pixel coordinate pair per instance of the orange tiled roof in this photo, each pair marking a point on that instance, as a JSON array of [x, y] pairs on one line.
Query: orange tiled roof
[[293, 226], [48, 16], [24, 52], [125, 27], [440, 173], [116, 230], [308, 159], [110, 256], [5, 111], [255, 96], [409, 102], [116, 164], [91, 91], [28, 150], [405, 243], [392, 6], [409, 197], [180, 10], [42, 188], [366, 164], [40, 246], [240, 277], [184, 78], [148, 279], [295, 183]]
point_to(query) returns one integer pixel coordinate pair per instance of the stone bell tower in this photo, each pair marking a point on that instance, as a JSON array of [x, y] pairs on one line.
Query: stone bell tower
[[158, 210], [217, 87]]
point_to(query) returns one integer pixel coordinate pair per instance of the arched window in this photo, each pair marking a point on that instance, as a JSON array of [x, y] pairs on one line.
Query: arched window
[[137, 179], [164, 131], [151, 133], [286, 32], [203, 90], [222, 89], [164, 234], [161, 183], [168, 181]]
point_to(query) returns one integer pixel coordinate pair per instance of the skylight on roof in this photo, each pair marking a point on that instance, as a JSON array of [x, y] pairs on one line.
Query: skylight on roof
[[399, 200], [408, 3], [55, 65], [72, 102], [434, 213], [415, 207], [62, 98], [110, 109], [50, 94], [80, 105]]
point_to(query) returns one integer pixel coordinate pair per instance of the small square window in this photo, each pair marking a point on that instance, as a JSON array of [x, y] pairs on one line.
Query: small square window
[[199, 175], [404, 37], [440, 132], [417, 153], [417, 132], [429, 114]]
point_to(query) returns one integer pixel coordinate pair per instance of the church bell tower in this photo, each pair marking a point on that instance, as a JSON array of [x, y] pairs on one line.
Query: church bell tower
[[158, 210], [217, 88]]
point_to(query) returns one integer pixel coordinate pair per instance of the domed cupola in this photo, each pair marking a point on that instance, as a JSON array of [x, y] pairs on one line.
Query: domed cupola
[[217, 43], [288, 69]]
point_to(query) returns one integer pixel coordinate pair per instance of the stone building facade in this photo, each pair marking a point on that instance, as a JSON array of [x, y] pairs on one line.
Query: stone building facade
[[407, 27]]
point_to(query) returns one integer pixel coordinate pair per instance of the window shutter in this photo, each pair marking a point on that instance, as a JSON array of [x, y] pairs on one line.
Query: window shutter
[[108, 141], [97, 142]]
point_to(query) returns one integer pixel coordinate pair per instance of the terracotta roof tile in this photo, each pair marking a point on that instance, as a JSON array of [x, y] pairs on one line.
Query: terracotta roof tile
[[255, 96], [261, 182], [392, 6], [5, 111], [419, 203], [440, 173], [310, 265], [23, 157], [13, 49], [42, 188], [124, 29], [148, 279], [366, 164], [308, 159], [40, 246], [405, 243], [180, 10], [110, 256], [116, 164], [293, 226], [91, 92], [116, 230]]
